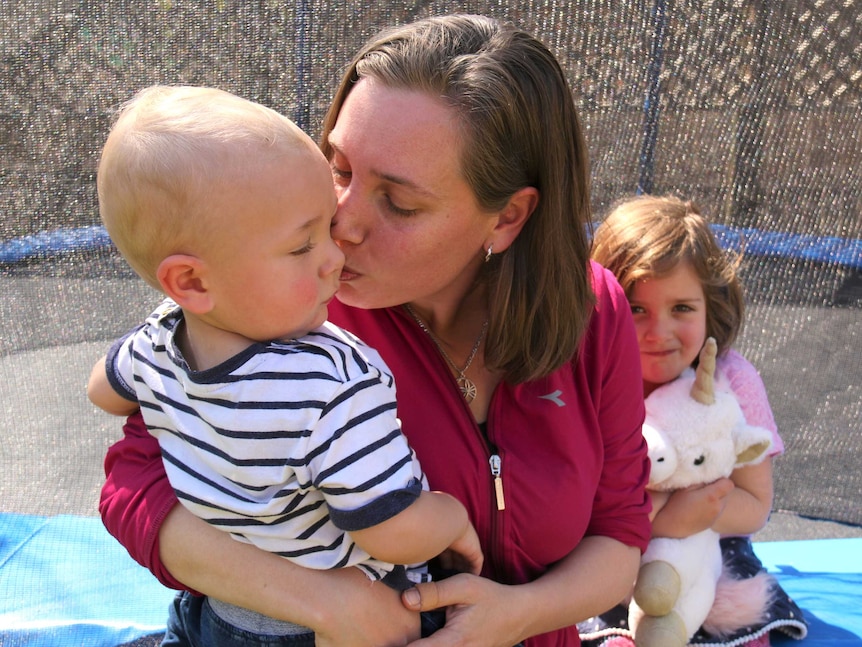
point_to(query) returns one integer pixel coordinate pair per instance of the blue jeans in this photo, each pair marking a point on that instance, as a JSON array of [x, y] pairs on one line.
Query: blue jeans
[[192, 623]]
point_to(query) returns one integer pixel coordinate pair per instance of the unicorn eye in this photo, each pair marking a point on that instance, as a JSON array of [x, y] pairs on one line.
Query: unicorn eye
[[699, 460]]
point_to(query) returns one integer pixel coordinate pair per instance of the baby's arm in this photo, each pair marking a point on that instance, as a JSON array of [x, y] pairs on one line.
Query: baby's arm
[[429, 526], [103, 395]]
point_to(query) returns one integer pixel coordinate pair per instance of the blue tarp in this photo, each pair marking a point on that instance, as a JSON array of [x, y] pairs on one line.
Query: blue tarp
[[64, 581], [824, 577]]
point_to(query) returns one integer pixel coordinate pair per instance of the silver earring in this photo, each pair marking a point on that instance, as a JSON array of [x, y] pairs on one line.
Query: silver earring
[[490, 251]]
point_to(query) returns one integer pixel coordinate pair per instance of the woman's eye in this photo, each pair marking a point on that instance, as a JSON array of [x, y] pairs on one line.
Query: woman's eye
[[340, 175], [398, 211]]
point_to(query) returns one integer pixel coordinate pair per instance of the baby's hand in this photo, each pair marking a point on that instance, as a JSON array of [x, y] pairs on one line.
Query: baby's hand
[[464, 554]]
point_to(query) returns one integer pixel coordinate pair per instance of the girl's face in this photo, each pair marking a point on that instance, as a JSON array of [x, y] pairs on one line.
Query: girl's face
[[670, 318], [407, 221]]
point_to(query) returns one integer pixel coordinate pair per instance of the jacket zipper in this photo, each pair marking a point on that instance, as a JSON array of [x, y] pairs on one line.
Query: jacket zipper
[[496, 464], [497, 545]]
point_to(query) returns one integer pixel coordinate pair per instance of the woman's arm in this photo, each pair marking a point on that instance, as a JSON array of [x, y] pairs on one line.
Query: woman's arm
[[483, 612], [342, 606], [139, 507]]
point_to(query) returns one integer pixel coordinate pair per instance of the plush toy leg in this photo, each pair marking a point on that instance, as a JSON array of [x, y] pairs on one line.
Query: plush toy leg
[[657, 588], [661, 631]]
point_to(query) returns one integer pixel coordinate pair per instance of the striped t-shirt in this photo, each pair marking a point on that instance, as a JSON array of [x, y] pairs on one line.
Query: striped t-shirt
[[287, 445]]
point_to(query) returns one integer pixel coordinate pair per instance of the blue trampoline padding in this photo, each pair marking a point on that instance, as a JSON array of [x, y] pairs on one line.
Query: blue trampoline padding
[[64, 581], [824, 249], [824, 577]]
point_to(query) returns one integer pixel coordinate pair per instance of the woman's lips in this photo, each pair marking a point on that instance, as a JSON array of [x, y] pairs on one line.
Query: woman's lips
[[347, 274]]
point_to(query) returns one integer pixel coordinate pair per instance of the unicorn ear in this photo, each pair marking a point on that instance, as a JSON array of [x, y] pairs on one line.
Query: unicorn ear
[[752, 454], [703, 388], [751, 444]]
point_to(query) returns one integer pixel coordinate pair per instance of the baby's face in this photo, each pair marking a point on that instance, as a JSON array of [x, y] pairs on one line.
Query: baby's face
[[276, 267]]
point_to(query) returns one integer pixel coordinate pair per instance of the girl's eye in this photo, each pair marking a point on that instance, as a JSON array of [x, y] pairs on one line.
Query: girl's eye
[[398, 211], [636, 310], [684, 308]]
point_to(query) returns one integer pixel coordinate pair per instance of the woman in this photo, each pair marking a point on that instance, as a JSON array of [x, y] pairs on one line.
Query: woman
[[462, 180]]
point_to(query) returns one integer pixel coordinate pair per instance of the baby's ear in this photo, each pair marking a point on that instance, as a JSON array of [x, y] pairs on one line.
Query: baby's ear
[[183, 279]]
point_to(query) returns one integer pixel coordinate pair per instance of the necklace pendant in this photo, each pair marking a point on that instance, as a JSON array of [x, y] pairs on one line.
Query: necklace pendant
[[468, 388], [465, 384]]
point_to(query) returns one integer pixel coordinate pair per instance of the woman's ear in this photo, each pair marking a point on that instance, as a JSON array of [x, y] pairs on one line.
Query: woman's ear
[[512, 218], [183, 279]]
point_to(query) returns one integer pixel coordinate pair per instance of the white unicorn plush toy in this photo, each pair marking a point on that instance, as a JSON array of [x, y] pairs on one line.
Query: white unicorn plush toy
[[696, 433]]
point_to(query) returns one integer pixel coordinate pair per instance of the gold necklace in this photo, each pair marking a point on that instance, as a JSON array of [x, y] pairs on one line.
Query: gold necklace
[[467, 386]]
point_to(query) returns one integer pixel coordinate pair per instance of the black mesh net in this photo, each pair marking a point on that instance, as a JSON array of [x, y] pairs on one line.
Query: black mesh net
[[752, 108]]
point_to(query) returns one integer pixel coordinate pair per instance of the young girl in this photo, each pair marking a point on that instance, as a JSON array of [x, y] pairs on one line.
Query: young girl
[[683, 288]]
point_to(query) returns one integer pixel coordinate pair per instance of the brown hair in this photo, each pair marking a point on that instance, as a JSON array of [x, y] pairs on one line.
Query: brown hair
[[168, 147], [520, 128], [648, 236]]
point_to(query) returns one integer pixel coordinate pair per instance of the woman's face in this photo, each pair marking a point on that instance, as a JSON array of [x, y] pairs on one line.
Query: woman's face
[[407, 221]]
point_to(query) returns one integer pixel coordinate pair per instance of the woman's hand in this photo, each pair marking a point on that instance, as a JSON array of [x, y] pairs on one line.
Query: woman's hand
[[364, 614], [480, 611], [483, 613]]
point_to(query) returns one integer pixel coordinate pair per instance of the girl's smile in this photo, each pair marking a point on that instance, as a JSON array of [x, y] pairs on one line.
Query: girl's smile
[[670, 318]]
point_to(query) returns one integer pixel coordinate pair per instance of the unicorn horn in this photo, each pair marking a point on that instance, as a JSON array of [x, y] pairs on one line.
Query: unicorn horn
[[702, 389]]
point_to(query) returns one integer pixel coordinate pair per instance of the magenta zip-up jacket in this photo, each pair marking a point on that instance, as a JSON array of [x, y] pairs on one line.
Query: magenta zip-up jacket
[[563, 455]]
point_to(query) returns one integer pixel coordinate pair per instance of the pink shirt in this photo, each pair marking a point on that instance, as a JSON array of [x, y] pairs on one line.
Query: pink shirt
[[573, 461], [745, 382]]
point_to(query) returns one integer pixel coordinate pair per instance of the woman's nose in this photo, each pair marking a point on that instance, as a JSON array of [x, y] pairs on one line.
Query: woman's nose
[[346, 225]]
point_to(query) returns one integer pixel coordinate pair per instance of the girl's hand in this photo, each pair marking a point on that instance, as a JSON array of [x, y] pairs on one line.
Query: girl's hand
[[480, 612], [692, 509]]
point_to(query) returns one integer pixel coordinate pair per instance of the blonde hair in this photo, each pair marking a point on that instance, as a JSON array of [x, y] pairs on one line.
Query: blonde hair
[[648, 236], [520, 128], [168, 148]]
